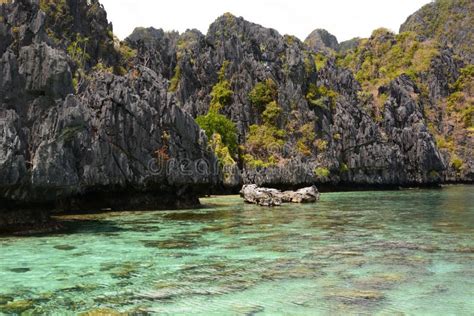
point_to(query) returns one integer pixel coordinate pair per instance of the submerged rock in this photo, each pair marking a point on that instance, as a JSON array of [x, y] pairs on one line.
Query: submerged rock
[[273, 197], [101, 312], [355, 296], [17, 307], [20, 270], [4, 299], [64, 247]]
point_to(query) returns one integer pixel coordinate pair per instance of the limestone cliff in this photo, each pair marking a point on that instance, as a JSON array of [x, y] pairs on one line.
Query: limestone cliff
[[330, 125], [77, 135]]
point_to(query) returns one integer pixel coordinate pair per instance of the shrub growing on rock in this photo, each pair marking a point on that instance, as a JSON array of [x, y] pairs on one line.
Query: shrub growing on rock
[[322, 172], [221, 94], [306, 139], [264, 142], [320, 61], [321, 96], [215, 123], [174, 82], [263, 145], [220, 130], [456, 162], [77, 50], [221, 150], [271, 113], [263, 93]]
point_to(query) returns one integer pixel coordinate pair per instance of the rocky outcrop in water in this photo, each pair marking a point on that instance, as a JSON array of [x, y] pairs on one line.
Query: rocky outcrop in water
[[272, 197]]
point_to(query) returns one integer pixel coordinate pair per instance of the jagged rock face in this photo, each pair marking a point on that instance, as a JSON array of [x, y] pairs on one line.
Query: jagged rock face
[[108, 137], [157, 49], [443, 74], [45, 70], [398, 150], [121, 142], [448, 21], [359, 149], [255, 53], [442, 85], [348, 45], [405, 125], [67, 20], [322, 41]]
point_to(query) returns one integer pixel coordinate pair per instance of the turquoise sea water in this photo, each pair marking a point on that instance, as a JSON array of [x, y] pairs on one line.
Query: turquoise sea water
[[384, 253]]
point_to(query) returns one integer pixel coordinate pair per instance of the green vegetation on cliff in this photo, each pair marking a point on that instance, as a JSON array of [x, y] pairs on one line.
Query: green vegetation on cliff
[[221, 132], [263, 145], [265, 141], [321, 97], [221, 94], [449, 22], [215, 123], [320, 61], [174, 82], [461, 102], [263, 93], [386, 56], [322, 172], [57, 13], [306, 139], [271, 113]]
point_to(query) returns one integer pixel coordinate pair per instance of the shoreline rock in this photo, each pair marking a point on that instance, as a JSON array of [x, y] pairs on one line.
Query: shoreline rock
[[17, 218], [272, 197]]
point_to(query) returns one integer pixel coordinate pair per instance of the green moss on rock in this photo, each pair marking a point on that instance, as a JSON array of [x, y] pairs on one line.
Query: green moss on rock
[[263, 93], [321, 97], [322, 172], [174, 82]]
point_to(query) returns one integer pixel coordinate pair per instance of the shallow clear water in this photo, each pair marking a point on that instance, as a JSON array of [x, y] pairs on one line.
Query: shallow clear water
[[384, 253]]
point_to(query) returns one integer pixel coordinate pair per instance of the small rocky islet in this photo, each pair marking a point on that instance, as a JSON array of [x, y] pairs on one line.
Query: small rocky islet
[[273, 197]]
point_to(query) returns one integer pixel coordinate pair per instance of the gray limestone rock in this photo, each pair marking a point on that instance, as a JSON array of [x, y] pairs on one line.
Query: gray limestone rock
[[253, 194], [321, 40]]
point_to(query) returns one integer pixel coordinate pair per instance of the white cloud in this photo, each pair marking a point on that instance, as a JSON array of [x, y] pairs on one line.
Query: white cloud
[[344, 18]]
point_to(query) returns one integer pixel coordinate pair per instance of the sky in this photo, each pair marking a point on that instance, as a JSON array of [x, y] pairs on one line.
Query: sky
[[345, 19]]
